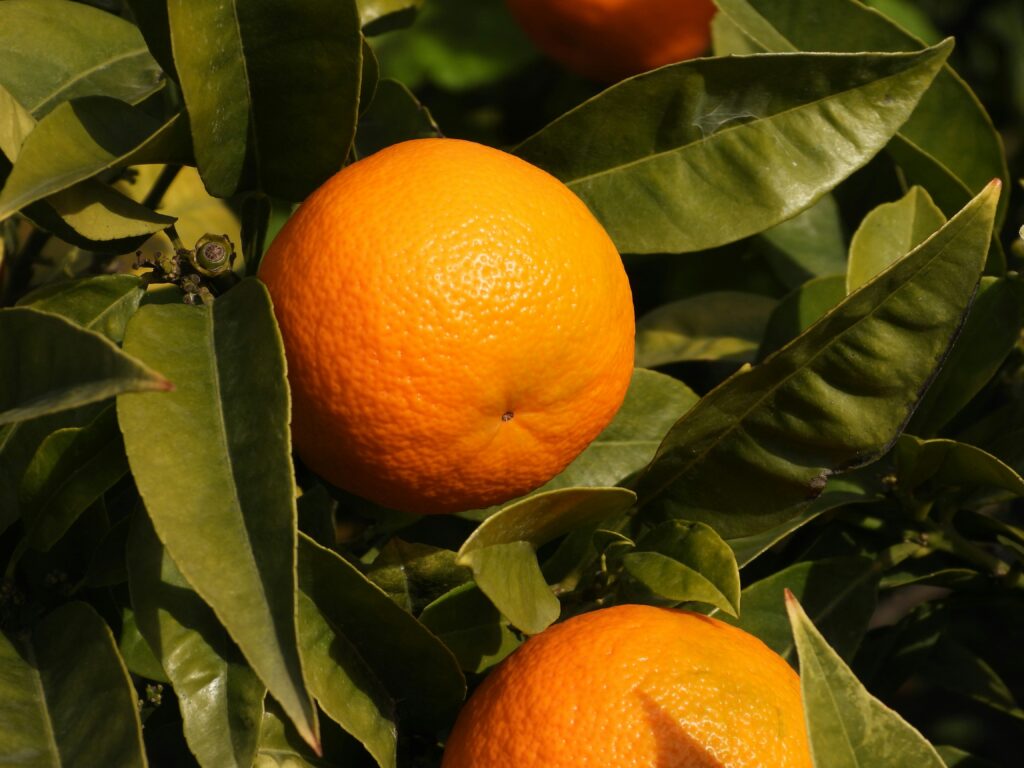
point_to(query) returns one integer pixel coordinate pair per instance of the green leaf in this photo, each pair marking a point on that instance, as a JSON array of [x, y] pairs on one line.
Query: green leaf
[[61, 365], [78, 140], [989, 334], [847, 726], [220, 697], [799, 310], [378, 16], [808, 245], [152, 21], [853, 488], [502, 550], [472, 628], [281, 746], [890, 231], [72, 468], [957, 668], [909, 16], [832, 400], [65, 695], [103, 304], [839, 594], [948, 144], [137, 655], [418, 672], [709, 151], [415, 575], [52, 51], [393, 116], [269, 111], [720, 325], [945, 465], [654, 402], [231, 528], [957, 758], [457, 45], [687, 562]]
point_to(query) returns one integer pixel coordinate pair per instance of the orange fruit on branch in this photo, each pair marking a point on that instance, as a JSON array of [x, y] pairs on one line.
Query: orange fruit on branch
[[458, 326], [607, 40], [635, 687]]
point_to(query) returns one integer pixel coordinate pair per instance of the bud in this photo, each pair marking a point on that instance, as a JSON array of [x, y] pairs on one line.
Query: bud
[[213, 255]]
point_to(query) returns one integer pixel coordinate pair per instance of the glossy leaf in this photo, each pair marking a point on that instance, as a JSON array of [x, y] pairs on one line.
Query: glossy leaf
[[472, 628], [834, 399], [501, 551], [799, 310], [72, 468], [394, 115], [231, 532], [947, 464], [989, 334], [103, 304], [88, 53], [80, 139], [416, 670], [272, 90], [654, 402], [847, 726], [137, 655], [648, 154], [838, 594], [220, 697], [281, 747], [46, 680], [378, 16], [415, 575], [720, 325], [687, 562], [890, 231], [61, 365], [948, 144]]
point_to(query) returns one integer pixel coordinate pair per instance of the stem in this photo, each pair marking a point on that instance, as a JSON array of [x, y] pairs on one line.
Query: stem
[[160, 186]]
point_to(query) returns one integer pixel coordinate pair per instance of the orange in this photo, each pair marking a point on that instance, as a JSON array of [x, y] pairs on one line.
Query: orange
[[635, 687], [607, 40], [458, 326]]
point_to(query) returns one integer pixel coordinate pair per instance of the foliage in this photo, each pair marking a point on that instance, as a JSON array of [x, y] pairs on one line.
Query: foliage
[[826, 279]]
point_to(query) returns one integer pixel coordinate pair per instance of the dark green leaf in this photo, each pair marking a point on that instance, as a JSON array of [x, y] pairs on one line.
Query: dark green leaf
[[80, 139], [416, 574], [946, 464], [65, 696], [393, 116], [369, 80], [957, 668], [839, 594], [137, 655], [909, 16], [654, 402], [417, 671], [272, 90], [472, 628], [52, 51], [957, 758], [808, 245], [990, 332], [890, 231], [687, 562], [60, 365], [833, 399], [103, 304], [72, 468], [694, 155], [151, 18], [948, 145], [281, 746], [220, 697], [799, 310], [848, 727], [231, 527], [721, 325]]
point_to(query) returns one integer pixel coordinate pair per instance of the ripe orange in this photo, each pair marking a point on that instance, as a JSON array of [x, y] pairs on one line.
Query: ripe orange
[[607, 40], [635, 687], [458, 326]]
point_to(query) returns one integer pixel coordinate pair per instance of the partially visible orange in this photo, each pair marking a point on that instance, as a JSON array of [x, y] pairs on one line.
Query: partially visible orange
[[635, 687], [458, 326], [607, 40]]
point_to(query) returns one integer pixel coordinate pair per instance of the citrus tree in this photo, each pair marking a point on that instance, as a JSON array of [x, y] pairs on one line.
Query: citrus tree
[[821, 429]]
